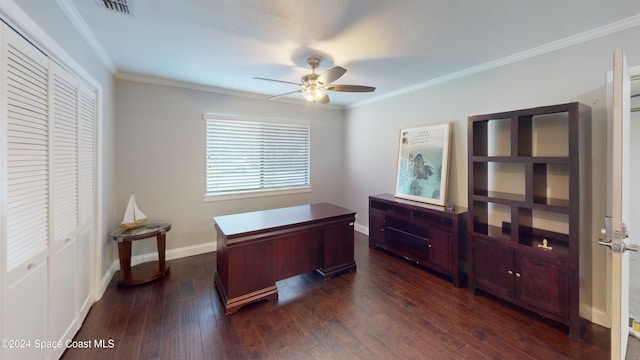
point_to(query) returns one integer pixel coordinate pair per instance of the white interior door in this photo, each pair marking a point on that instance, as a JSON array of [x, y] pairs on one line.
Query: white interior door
[[86, 260], [618, 141], [23, 187], [634, 257], [63, 99]]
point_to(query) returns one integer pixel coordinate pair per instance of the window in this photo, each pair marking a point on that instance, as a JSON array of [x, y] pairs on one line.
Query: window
[[248, 157]]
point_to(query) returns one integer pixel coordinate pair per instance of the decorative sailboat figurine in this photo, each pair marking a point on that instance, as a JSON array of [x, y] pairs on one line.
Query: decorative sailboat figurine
[[133, 217]]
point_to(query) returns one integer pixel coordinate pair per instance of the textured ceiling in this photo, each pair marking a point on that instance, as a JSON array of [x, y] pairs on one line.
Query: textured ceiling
[[392, 45]]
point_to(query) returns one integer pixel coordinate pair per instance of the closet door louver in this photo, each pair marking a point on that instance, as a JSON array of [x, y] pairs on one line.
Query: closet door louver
[[24, 176], [27, 152], [86, 155], [86, 194], [64, 155]]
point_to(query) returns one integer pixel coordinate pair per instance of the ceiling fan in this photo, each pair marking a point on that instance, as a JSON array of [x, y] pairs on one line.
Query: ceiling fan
[[314, 86]]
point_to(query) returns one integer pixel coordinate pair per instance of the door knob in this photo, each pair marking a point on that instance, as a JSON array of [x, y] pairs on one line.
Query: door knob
[[618, 248], [626, 247], [604, 242]]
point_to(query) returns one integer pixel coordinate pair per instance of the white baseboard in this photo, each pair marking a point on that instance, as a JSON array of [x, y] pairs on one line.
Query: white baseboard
[[601, 318], [595, 316], [106, 279], [362, 229], [140, 259], [174, 253]]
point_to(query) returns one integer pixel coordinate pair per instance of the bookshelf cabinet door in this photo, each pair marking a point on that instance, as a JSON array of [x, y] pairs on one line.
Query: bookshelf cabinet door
[[494, 271], [543, 282]]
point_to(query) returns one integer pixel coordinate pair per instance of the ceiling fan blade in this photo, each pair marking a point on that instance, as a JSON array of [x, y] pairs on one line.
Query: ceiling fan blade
[[280, 81], [287, 93], [351, 88], [331, 75]]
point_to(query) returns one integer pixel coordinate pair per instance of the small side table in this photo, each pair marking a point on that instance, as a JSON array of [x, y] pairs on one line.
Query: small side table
[[124, 237]]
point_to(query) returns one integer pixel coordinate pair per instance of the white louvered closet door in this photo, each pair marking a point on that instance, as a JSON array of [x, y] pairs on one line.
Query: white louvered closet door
[[63, 95], [24, 177], [87, 110], [48, 132]]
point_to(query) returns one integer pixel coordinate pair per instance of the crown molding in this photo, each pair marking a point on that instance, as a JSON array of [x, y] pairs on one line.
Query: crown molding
[[22, 23], [212, 89], [596, 33], [77, 21]]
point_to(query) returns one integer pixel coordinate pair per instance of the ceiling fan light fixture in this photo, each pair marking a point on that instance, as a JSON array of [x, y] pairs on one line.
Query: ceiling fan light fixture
[[314, 87], [314, 93]]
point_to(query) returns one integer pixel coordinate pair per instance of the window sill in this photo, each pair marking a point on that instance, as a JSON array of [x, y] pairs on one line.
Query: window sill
[[255, 194]]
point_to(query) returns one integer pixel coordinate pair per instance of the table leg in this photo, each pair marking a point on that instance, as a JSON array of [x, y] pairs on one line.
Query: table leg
[[124, 252], [161, 241]]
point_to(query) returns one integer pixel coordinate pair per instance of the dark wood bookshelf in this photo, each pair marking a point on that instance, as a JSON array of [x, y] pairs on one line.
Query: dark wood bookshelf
[[510, 216]]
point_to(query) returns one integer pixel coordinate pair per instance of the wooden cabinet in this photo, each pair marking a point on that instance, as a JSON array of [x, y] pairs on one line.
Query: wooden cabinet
[[424, 234], [528, 184], [536, 280]]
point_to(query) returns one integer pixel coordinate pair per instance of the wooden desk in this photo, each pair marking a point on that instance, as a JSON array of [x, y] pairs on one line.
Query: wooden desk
[[256, 249], [124, 237]]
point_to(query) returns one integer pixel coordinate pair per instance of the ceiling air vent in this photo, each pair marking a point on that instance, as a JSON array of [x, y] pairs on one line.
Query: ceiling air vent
[[119, 6]]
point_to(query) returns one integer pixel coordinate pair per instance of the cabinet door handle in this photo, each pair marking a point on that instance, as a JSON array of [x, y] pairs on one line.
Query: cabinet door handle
[[510, 272], [518, 274]]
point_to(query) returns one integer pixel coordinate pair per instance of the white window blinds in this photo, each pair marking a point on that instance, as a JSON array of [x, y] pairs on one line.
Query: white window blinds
[[255, 156], [27, 160]]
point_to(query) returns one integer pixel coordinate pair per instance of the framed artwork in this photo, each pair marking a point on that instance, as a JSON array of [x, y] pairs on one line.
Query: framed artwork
[[423, 163]]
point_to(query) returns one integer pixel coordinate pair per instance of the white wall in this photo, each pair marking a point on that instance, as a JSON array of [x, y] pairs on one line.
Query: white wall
[[160, 155], [575, 73]]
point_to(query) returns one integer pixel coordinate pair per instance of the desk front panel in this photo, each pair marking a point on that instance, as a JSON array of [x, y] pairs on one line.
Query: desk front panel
[[248, 267]]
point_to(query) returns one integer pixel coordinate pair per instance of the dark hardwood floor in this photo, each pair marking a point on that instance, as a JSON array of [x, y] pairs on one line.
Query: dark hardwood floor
[[386, 309]]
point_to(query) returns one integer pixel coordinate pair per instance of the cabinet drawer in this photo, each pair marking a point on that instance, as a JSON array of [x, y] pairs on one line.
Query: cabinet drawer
[[409, 245]]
